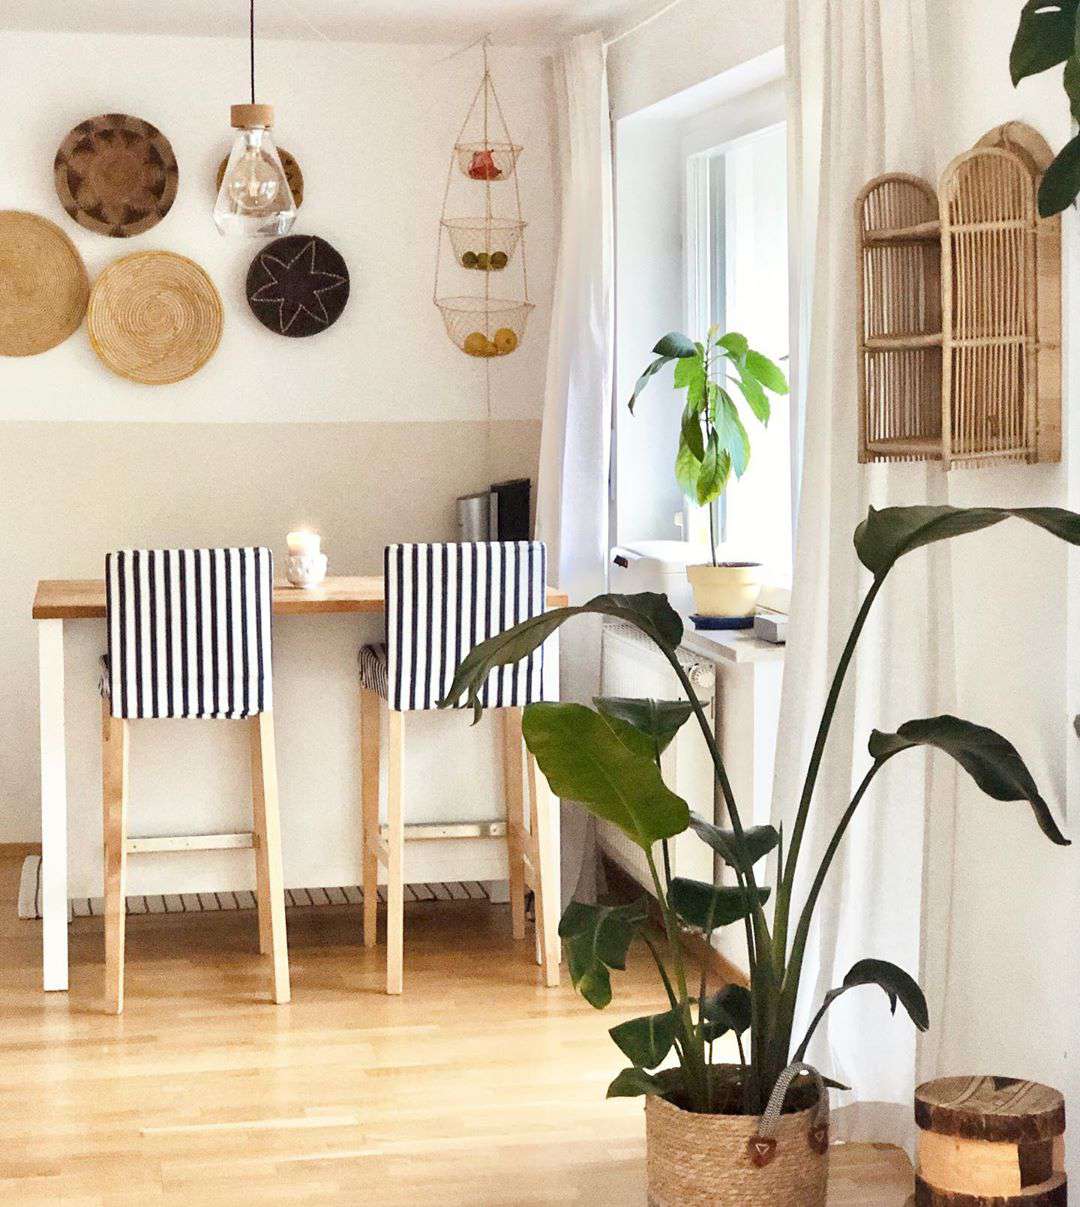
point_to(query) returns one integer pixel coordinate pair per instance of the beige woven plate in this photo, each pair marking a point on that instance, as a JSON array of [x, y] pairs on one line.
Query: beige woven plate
[[154, 317], [43, 284]]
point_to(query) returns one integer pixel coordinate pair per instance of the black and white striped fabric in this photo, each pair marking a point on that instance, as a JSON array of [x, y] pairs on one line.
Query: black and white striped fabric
[[189, 632], [442, 600]]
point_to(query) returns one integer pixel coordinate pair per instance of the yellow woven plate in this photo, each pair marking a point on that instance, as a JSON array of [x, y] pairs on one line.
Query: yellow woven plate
[[43, 284], [154, 317]]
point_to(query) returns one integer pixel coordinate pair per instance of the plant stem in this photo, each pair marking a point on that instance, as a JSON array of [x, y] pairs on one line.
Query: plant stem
[[667, 863], [784, 891], [663, 972]]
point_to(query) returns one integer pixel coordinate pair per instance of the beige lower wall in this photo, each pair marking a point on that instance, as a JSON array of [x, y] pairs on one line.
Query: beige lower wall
[[71, 491]]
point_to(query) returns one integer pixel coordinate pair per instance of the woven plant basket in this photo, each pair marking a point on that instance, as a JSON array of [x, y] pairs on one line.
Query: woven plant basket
[[705, 1160]]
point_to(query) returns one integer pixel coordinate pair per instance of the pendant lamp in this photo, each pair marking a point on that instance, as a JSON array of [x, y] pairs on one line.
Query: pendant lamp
[[254, 198]]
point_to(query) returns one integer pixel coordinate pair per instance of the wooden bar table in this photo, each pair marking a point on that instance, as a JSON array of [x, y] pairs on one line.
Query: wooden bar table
[[60, 601]]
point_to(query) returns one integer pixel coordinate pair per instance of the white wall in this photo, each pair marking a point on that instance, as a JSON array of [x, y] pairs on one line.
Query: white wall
[[368, 431], [1015, 900]]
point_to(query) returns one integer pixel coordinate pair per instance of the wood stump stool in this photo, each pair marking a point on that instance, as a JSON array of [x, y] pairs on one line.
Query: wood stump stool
[[990, 1142]]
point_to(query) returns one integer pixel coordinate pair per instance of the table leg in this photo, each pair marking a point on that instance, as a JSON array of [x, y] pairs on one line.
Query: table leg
[[54, 852]]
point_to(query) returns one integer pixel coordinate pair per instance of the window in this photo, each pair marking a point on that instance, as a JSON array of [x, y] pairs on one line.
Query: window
[[701, 238], [737, 276]]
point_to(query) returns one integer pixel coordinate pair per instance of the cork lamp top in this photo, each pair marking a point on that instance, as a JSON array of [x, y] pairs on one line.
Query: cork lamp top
[[250, 117]]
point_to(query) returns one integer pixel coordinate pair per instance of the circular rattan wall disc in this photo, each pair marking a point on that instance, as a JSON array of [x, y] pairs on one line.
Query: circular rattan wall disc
[[292, 174], [154, 317], [116, 175], [43, 284], [298, 285]]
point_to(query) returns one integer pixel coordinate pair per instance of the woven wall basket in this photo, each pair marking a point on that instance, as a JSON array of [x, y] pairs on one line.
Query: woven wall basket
[[154, 317], [116, 175], [43, 284], [703, 1160]]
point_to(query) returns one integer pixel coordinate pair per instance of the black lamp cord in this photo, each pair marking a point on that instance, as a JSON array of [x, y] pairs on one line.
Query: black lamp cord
[[251, 28]]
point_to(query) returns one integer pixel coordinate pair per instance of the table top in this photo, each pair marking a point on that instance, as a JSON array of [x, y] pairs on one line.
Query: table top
[[84, 598]]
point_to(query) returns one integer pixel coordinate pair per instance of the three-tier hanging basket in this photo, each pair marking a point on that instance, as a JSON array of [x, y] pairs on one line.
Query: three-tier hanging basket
[[484, 324]]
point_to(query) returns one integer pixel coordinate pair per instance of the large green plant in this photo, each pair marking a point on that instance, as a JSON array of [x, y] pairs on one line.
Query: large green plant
[[608, 758], [1049, 35], [713, 440]]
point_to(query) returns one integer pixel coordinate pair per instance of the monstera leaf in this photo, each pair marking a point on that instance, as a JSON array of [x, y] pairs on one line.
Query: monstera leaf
[[757, 842], [1045, 37], [608, 766], [657, 720], [647, 1041], [898, 985], [991, 760], [709, 906], [648, 611], [597, 938], [886, 535]]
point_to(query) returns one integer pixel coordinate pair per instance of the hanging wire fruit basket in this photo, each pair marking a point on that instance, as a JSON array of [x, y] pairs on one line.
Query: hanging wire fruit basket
[[492, 244], [484, 244], [487, 161], [485, 327]]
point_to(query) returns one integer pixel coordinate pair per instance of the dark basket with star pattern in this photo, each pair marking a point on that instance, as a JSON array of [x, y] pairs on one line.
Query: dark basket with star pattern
[[298, 285]]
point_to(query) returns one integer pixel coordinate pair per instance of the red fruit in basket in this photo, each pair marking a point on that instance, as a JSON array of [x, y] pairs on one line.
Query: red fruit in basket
[[483, 166]]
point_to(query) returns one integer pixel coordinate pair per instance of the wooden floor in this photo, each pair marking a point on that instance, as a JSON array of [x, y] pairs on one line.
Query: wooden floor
[[478, 1086]]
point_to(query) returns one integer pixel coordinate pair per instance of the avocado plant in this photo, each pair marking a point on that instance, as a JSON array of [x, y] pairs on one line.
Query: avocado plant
[[608, 759]]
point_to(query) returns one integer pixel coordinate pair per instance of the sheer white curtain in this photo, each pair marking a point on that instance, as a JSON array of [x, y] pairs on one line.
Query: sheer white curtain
[[858, 96], [572, 494]]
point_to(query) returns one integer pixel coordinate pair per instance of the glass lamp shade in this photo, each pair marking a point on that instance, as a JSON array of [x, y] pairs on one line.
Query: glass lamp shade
[[254, 198]]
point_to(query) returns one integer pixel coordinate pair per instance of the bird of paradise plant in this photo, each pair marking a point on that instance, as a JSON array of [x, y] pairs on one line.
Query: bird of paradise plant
[[608, 759]]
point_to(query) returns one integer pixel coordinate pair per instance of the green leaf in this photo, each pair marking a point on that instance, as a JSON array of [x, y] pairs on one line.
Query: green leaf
[[1071, 80], [676, 346], [729, 1010], [886, 535], [687, 469], [646, 1041], [735, 346], [607, 766], [731, 434], [648, 611], [597, 938], [898, 985], [633, 1083], [691, 432], [658, 720], [708, 906], [756, 398], [715, 468], [991, 760], [690, 375], [644, 379], [758, 841], [766, 372], [1044, 37], [1061, 181]]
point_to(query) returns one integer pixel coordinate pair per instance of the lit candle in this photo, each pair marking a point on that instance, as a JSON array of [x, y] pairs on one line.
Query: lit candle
[[303, 543]]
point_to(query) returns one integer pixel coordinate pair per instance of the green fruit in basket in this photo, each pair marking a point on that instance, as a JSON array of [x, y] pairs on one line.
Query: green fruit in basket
[[499, 260], [468, 260], [482, 260]]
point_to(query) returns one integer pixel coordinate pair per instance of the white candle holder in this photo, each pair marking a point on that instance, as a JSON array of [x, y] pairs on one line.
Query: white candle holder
[[306, 569]]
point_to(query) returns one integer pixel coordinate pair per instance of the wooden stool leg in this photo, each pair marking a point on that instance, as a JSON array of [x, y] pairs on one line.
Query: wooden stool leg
[[114, 768], [395, 872], [546, 867], [513, 767], [268, 872], [369, 810]]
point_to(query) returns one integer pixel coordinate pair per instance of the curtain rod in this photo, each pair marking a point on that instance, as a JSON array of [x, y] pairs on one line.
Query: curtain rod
[[660, 12]]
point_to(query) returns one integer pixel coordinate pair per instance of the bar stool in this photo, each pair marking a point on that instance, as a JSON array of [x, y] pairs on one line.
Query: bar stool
[[190, 637], [441, 601]]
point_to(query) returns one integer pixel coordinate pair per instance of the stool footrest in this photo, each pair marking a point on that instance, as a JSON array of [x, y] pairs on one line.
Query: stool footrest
[[190, 842], [430, 831]]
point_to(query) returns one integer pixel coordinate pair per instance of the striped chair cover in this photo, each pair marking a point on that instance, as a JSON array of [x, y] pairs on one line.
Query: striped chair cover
[[189, 632], [441, 601]]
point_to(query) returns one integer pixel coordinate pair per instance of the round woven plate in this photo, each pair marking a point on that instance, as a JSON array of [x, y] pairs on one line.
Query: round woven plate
[[292, 174], [154, 317], [298, 285], [116, 175], [43, 284]]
